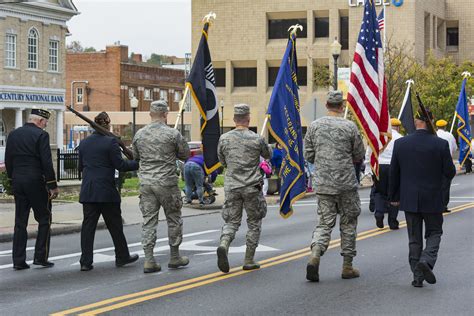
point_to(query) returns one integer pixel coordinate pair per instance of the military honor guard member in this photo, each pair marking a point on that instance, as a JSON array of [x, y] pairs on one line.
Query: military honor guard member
[[453, 146], [30, 167], [99, 157], [157, 147], [333, 144], [420, 162], [382, 201], [239, 151]]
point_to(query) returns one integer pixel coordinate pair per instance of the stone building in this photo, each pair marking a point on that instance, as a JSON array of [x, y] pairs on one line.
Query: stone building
[[248, 39], [33, 64]]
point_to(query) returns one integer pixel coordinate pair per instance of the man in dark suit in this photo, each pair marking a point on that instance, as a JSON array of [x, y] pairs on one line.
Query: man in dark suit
[[30, 167], [99, 157], [419, 163]]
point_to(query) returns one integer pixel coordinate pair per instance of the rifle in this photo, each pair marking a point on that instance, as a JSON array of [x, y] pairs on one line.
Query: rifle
[[99, 129], [431, 127]]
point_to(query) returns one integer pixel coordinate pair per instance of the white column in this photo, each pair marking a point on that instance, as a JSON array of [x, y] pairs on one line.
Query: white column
[[18, 118], [59, 128]]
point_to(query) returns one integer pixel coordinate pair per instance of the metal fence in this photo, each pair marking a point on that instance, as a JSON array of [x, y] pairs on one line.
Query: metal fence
[[67, 165]]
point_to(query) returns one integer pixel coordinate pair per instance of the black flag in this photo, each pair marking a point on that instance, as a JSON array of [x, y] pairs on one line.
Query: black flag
[[202, 85], [406, 117]]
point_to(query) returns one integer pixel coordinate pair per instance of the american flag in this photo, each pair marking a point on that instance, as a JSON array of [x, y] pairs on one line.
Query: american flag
[[381, 19], [367, 95]]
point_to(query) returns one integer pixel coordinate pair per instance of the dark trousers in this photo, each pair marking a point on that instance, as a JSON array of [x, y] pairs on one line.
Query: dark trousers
[[446, 192], [380, 197], [31, 194], [433, 232], [392, 215], [113, 219]]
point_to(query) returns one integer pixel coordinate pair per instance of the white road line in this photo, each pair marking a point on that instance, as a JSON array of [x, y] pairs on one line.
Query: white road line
[[77, 254]]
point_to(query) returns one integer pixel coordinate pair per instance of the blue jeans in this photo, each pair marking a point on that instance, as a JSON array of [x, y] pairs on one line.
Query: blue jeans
[[193, 177]]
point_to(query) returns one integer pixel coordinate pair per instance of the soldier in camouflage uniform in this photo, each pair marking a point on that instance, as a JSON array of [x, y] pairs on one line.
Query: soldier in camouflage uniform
[[157, 147], [239, 151], [333, 144]]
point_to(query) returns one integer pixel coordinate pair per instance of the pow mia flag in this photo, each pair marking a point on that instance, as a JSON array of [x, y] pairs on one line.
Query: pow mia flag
[[202, 85]]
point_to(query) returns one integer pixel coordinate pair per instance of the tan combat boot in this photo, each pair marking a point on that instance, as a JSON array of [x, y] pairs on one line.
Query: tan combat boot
[[222, 251], [249, 263], [348, 272], [312, 269], [176, 260], [151, 267]]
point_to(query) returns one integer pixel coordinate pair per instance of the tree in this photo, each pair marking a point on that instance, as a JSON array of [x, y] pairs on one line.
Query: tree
[[321, 76], [75, 47], [89, 50], [156, 59]]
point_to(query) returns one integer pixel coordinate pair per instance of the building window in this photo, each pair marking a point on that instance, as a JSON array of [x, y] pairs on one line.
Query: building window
[[131, 92], [302, 76], [10, 50], [53, 55], [147, 94], [321, 27], [33, 49], [344, 31], [279, 28], [79, 95], [219, 75], [177, 96], [164, 95], [452, 36], [245, 77]]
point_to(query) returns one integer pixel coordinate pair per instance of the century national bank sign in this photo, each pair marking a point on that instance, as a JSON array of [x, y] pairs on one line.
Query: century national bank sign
[[355, 3], [31, 97]]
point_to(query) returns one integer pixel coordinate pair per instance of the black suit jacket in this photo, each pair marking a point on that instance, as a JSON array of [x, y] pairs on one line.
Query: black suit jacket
[[28, 155], [420, 163], [99, 157]]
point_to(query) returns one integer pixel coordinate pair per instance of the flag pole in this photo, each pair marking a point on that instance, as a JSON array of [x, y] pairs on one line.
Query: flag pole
[[384, 26], [264, 126], [464, 75], [409, 82]]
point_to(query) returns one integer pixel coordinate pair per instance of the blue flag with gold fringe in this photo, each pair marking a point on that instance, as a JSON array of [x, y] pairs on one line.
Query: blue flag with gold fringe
[[284, 124], [464, 129]]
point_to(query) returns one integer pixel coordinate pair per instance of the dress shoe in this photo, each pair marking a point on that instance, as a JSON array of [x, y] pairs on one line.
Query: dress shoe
[[447, 210], [379, 222], [417, 283], [86, 267], [46, 264], [21, 266], [122, 262], [427, 273], [394, 227]]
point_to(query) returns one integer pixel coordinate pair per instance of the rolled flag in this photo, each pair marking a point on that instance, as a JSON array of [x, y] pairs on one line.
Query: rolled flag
[[406, 113]]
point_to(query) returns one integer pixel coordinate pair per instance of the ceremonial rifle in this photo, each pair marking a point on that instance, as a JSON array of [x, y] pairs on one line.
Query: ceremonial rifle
[[99, 129], [431, 127]]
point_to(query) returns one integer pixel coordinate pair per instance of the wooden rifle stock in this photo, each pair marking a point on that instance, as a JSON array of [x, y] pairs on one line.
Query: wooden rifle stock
[[99, 129], [431, 127]]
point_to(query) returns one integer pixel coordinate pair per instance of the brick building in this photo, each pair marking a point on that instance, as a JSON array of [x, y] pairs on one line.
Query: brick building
[[107, 80]]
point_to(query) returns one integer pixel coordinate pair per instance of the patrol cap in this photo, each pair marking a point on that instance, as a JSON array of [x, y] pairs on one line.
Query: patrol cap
[[422, 117], [335, 97], [159, 106], [40, 112], [395, 122], [441, 123], [241, 109]]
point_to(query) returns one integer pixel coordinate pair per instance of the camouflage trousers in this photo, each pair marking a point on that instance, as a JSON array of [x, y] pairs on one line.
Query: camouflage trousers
[[152, 197], [347, 205], [255, 205]]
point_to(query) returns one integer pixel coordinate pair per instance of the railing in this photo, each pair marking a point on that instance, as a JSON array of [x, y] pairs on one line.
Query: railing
[[67, 165]]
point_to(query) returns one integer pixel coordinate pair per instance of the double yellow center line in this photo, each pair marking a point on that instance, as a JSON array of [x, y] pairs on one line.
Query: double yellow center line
[[154, 293]]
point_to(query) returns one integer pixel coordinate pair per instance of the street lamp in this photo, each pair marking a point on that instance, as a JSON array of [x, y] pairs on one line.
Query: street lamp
[[134, 106], [335, 52], [222, 116]]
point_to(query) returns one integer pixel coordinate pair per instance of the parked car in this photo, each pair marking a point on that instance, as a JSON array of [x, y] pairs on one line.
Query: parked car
[[194, 147]]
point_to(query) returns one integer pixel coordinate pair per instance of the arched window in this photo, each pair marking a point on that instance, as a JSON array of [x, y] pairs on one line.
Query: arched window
[[33, 49]]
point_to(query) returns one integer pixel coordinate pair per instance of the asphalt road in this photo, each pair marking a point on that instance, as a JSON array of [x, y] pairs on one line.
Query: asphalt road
[[279, 287]]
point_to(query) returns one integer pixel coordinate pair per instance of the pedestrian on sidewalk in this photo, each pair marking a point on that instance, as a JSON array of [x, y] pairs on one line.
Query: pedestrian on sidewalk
[[99, 157], [419, 163], [194, 176], [333, 144], [239, 151], [157, 147], [30, 168]]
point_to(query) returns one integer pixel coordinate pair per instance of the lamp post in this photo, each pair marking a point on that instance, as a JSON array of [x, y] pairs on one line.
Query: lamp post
[[134, 106], [335, 52], [222, 116]]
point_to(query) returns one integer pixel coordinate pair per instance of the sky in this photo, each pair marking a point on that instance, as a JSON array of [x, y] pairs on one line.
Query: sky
[[145, 26]]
